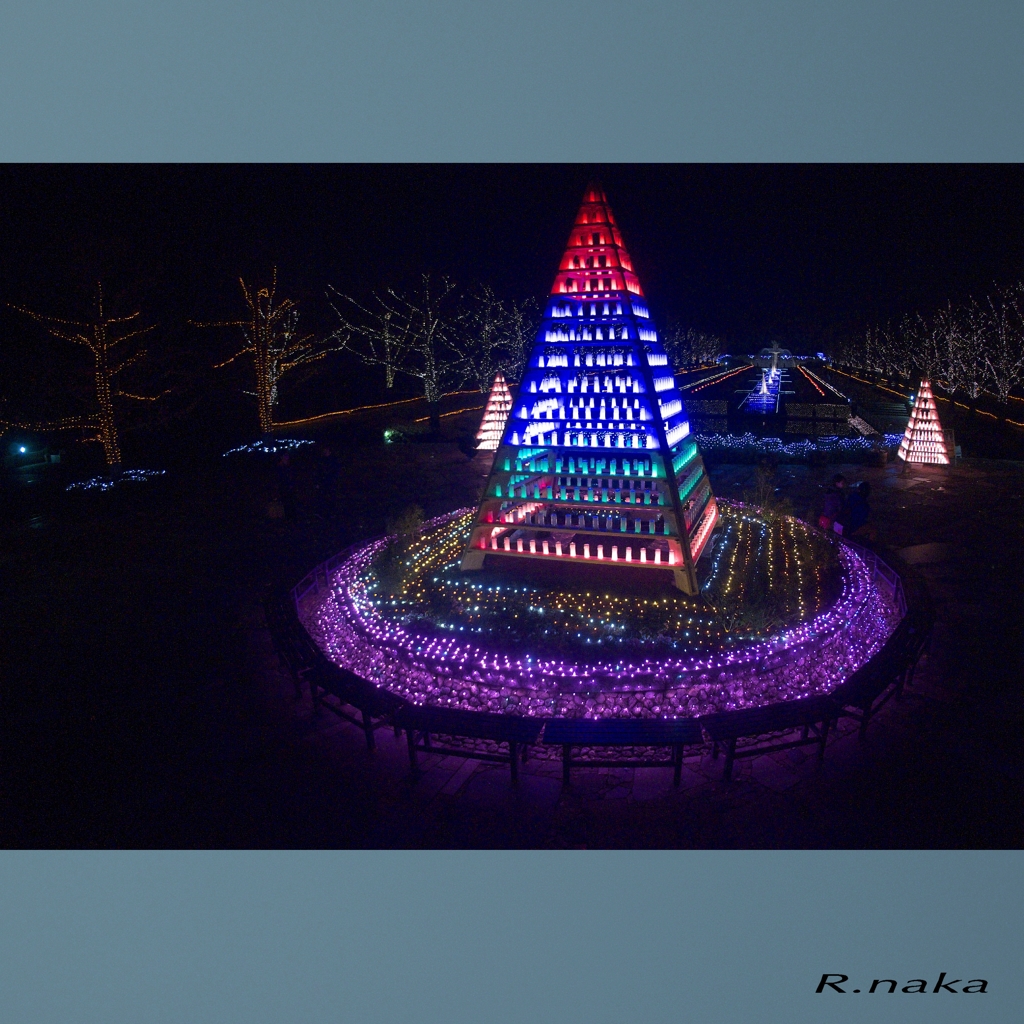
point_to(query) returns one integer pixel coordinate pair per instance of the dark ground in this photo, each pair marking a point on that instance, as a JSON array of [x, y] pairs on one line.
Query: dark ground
[[142, 706]]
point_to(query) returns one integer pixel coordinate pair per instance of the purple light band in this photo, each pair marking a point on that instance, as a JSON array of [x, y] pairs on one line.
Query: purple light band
[[812, 658]]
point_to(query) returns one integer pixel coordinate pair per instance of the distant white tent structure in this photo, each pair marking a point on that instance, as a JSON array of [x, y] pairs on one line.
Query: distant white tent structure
[[499, 405], [923, 440]]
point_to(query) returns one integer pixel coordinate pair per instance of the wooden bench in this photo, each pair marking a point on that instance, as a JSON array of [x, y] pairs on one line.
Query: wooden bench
[[811, 715], [308, 664], [375, 707], [886, 674], [919, 622], [420, 721], [674, 733], [284, 636], [867, 691]]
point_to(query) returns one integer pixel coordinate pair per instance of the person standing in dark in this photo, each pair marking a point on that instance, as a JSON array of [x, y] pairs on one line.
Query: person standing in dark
[[855, 520], [326, 475], [834, 504], [286, 487]]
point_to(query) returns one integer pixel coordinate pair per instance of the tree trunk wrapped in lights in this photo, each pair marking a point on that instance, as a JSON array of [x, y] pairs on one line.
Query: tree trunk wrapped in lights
[[413, 334], [102, 334], [270, 331], [1004, 356], [596, 462], [498, 335]]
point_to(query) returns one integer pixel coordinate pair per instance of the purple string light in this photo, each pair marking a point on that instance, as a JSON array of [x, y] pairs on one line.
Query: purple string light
[[811, 658]]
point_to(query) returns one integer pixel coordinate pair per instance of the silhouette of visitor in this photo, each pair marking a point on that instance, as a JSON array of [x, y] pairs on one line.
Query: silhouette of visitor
[[855, 517], [859, 513], [833, 505]]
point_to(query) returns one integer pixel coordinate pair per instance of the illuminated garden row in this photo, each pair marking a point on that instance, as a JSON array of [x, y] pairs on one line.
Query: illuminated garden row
[[777, 558], [455, 668]]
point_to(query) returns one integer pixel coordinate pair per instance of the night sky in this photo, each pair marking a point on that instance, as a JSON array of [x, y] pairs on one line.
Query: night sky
[[743, 251], [751, 253]]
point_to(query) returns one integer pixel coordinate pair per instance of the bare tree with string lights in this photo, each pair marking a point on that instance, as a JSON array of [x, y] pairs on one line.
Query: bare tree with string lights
[[497, 334], [1003, 318], [928, 342], [481, 323], [270, 332], [378, 336], [104, 335], [412, 333], [521, 321], [687, 346], [966, 340]]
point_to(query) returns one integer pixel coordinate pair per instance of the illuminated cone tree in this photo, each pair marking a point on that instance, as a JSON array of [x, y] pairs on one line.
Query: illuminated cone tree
[[499, 405], [923, 440], [596, 463]]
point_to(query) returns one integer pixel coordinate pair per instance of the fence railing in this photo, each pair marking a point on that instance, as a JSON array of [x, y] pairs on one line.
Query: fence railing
[[320, 575], [883, 574]]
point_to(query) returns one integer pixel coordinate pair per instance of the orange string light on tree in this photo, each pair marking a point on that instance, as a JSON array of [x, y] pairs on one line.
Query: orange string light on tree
[[101, 334], [270, 330]]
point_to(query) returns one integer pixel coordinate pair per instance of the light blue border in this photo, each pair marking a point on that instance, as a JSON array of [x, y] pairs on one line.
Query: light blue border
[[538, 80], [579, 938], [460, 938]]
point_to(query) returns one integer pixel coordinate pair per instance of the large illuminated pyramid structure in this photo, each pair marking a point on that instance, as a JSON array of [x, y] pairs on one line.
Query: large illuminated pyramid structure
[[499, 405], [596, 463], [923, 440]]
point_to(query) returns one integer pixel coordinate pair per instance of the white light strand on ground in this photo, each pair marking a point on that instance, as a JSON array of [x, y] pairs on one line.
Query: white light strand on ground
[[281, 444], [108, 483]]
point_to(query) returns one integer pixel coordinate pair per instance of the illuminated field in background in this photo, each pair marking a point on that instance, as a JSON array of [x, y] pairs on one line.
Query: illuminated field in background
[[782, 615]]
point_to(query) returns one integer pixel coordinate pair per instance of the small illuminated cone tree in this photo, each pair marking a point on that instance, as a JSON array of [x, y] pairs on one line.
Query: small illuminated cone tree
[[923, 441], [499, 405], [596, 463]]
